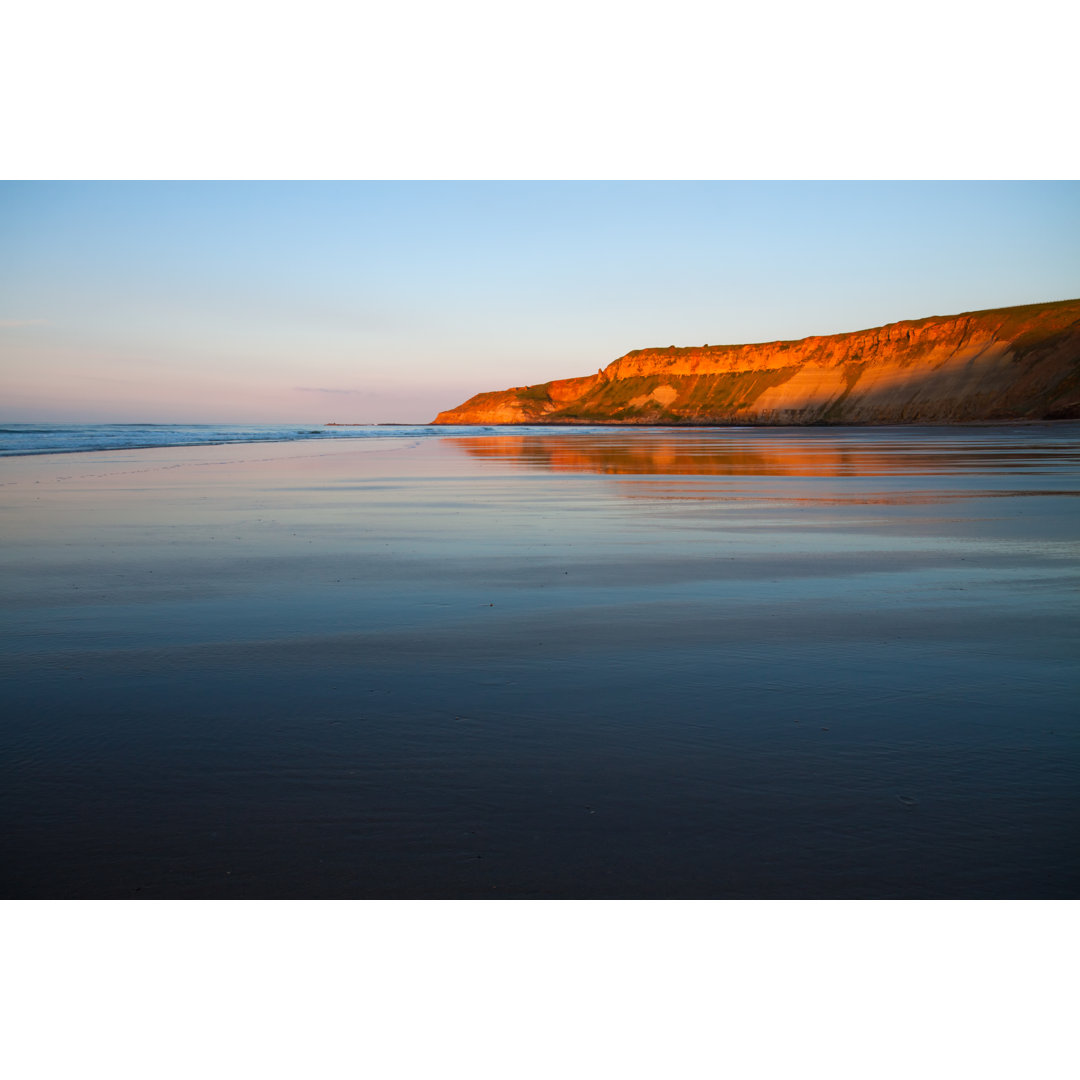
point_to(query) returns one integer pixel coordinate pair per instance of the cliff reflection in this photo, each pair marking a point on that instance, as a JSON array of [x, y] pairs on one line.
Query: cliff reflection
[[773, 452]]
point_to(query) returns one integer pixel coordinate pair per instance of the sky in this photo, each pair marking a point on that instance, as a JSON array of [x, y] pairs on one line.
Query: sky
[[366, 302]]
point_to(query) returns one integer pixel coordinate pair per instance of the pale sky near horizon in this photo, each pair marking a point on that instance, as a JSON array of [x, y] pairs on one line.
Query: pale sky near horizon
[[377, 301]]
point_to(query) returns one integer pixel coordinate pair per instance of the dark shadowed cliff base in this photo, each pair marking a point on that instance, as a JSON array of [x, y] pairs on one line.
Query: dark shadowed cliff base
[[1017, 363]]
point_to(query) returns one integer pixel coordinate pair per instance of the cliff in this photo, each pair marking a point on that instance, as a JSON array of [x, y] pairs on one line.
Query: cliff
[[1018, 363]]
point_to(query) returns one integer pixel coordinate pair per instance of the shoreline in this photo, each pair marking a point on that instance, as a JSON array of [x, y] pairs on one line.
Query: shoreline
[[762, 424], [444, 430]]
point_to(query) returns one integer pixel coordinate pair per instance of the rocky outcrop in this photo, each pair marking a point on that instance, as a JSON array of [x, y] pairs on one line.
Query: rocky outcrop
[[1018, 363]]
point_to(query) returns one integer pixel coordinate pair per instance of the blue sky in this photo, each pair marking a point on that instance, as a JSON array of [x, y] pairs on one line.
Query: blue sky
[[368, 302]]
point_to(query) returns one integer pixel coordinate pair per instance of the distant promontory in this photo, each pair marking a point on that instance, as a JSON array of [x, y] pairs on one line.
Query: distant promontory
[[1016, 363]]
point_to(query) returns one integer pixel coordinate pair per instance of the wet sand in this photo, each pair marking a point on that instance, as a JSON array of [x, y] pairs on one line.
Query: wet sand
[[636, 664]]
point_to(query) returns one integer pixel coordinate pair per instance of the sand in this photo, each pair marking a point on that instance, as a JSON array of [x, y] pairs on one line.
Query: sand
[[638, 664]]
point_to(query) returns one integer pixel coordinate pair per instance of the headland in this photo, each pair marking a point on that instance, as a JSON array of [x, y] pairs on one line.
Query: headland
[[1015, 363]]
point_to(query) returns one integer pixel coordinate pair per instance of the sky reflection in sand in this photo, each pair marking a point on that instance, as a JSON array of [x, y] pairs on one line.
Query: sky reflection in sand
[[622, 664]]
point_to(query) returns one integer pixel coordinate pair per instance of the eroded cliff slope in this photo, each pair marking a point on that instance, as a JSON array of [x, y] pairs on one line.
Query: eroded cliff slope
[[1018, 363]]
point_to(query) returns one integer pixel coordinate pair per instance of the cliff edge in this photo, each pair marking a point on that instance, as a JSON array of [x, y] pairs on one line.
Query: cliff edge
[[1017, 363]]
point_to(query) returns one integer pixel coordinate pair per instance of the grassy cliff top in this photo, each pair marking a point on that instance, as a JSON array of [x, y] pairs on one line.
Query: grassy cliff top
[[1013, 321]]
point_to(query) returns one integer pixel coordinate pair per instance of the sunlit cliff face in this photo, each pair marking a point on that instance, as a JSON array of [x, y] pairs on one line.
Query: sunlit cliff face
[[1010, 363]]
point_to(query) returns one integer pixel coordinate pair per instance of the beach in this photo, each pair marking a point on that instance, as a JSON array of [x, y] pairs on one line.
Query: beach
[[629, 664]]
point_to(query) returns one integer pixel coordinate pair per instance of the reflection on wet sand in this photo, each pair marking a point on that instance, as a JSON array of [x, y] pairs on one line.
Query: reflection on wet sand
[[616, 664], [771, 452]]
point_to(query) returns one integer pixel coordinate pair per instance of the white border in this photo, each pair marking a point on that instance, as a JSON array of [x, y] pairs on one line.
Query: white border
[[584, 90]]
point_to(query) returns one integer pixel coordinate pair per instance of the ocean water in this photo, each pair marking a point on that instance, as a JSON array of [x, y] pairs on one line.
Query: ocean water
[[20, 439], [450, 663]]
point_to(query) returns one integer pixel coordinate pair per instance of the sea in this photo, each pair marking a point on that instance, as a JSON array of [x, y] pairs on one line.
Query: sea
[[19, 439]]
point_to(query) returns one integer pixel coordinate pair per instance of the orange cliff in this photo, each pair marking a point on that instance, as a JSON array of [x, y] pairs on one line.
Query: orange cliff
[[1018, 363]]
